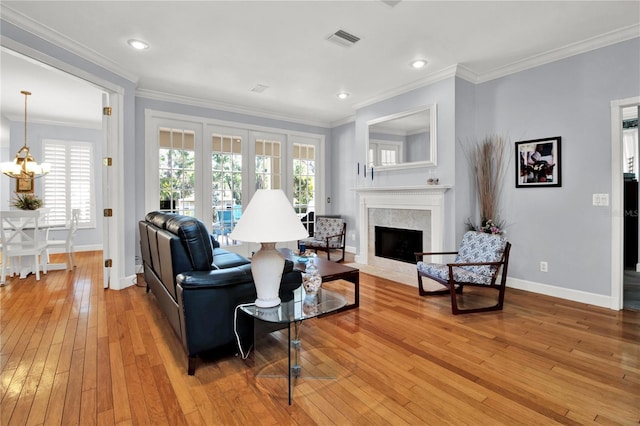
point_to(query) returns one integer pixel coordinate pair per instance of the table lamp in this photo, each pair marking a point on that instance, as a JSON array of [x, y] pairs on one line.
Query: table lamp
[[269, 218]]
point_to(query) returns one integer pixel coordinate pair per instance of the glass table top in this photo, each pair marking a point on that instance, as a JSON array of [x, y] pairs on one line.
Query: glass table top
[[302, 306]]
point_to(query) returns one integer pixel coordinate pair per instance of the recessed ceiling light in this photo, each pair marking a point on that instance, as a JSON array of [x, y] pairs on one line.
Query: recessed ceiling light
[[343, 95], [418, 63], [137, 44]]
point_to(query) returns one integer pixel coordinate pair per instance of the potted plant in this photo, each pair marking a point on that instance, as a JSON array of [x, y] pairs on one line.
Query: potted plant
[[27, 201], [488, 160]]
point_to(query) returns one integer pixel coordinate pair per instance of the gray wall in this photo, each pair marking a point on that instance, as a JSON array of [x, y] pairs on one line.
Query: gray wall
[[568, 98], [441, 93]]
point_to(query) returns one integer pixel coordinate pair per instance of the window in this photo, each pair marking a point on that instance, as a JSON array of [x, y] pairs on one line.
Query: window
[[304, 171], [384, 153], [226, 182], [630, 141], [70, 183], [268, 171], [210, 169], [177, 174]]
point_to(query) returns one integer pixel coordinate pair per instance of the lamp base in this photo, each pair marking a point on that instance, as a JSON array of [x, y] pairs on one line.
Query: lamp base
[[266, 268]]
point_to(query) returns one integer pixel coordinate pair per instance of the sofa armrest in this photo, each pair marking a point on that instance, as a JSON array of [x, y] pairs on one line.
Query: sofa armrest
[[215, 278]]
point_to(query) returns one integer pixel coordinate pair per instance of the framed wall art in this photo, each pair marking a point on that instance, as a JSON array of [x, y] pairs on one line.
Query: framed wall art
[[538, 163]]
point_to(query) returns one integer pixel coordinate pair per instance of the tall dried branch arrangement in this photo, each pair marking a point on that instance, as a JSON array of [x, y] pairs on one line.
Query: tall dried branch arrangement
[[488, 159]]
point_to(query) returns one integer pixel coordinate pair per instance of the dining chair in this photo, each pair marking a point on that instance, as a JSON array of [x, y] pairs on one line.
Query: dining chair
[[68, 243], [20, 232]]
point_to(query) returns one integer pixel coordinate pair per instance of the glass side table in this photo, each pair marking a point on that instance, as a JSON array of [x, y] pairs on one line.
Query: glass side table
[[290, 315]]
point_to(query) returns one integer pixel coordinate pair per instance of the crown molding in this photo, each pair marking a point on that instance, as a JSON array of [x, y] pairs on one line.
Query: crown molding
[[39, 30], [78, 124], [466, 74], [567, 51], [430, 79], [220, 106], [346, 120]]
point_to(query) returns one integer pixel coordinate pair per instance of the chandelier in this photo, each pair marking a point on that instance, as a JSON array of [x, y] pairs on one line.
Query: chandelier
[[24, 166]]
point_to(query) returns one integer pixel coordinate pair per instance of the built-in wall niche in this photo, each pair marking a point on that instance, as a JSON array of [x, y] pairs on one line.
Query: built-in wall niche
[[403, 140]]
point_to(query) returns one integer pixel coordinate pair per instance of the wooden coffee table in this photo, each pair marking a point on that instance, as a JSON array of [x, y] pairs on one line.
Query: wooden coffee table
[[330, 271]]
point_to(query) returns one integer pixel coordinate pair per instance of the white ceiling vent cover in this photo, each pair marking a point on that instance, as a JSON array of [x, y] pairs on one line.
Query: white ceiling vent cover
[[259, 88], [343, 38]]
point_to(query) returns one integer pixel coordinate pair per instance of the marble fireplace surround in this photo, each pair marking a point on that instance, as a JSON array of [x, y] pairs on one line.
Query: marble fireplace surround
[[417, 200]]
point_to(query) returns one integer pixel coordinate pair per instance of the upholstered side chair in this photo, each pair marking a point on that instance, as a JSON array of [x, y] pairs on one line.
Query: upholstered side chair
[[329, 235], [481, 260]]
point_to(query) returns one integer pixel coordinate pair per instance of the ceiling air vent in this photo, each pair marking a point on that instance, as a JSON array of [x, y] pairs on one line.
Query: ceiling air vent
[[259, 88], [343, 38]]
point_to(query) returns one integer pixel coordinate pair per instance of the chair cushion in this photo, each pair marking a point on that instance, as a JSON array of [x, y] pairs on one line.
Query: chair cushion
[[441, 271], [335, 242], [327, 227], [481, 247]]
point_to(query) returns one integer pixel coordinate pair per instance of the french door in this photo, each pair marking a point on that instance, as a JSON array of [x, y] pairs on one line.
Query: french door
[[211, 171]]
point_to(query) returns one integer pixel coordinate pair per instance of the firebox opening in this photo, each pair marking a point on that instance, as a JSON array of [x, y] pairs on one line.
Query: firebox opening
[[398, 244]]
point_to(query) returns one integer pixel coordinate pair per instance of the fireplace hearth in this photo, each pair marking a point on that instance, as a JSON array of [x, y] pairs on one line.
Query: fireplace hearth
[[397, 243]]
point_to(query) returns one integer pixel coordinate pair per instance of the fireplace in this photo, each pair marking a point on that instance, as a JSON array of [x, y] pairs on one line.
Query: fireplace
[[408, 207], [397, 243]]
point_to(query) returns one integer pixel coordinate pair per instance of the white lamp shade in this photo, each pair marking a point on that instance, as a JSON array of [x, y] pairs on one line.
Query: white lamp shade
[[269, 217]]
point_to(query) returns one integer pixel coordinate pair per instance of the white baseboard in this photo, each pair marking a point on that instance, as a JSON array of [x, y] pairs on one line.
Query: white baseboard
[[562, 293]]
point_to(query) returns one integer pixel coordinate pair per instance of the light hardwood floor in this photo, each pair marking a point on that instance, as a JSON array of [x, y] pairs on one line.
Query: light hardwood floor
[[73, 353]]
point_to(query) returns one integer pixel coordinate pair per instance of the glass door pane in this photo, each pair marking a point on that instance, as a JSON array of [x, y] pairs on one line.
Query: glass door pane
[[177, 171], [226, 183]]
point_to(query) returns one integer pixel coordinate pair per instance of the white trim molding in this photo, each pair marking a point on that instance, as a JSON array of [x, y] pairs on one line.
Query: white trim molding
[[600, 300]]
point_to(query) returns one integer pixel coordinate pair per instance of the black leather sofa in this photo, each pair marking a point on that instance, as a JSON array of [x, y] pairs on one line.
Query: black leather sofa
[[198, 285]]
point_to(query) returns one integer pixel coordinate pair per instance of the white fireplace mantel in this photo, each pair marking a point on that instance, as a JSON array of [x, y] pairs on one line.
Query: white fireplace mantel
[[404, 189], [423, 197]]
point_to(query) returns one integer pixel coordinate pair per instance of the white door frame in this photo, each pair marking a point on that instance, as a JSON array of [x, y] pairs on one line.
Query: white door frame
[[617, 202], [115, 144]]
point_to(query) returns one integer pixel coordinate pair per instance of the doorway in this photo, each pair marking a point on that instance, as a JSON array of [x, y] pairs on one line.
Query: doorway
[[58, 82], [625, 270], [631, 174]]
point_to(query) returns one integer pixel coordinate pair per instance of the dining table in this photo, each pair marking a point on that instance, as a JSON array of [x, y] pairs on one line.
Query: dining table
[[21, 225]]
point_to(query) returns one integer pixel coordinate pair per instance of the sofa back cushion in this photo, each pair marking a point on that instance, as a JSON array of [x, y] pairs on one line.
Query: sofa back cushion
[[195, 239]]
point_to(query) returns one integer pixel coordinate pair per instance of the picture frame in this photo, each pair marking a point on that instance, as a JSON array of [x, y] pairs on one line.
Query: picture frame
[[538, 163], [24, 184]]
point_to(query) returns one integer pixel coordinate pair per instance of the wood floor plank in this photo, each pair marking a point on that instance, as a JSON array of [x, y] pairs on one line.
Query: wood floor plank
[[72, 352]]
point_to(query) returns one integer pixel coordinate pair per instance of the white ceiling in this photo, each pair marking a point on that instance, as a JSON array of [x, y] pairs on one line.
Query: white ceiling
[[214, 52]]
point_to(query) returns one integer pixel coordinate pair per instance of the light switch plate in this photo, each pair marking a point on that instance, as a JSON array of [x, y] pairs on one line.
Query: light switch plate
[[600, 199]]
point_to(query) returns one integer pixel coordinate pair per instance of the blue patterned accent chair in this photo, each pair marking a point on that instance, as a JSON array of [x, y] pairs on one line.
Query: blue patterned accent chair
[[480, 259], [329, 235]]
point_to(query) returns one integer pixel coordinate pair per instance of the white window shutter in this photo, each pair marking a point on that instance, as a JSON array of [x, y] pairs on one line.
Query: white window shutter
[[70, 183]]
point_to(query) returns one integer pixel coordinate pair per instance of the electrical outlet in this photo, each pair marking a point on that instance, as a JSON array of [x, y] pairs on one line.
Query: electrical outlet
[[544, 266]]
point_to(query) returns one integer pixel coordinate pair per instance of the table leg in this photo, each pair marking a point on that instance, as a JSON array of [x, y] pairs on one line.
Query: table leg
[[294, 356]]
